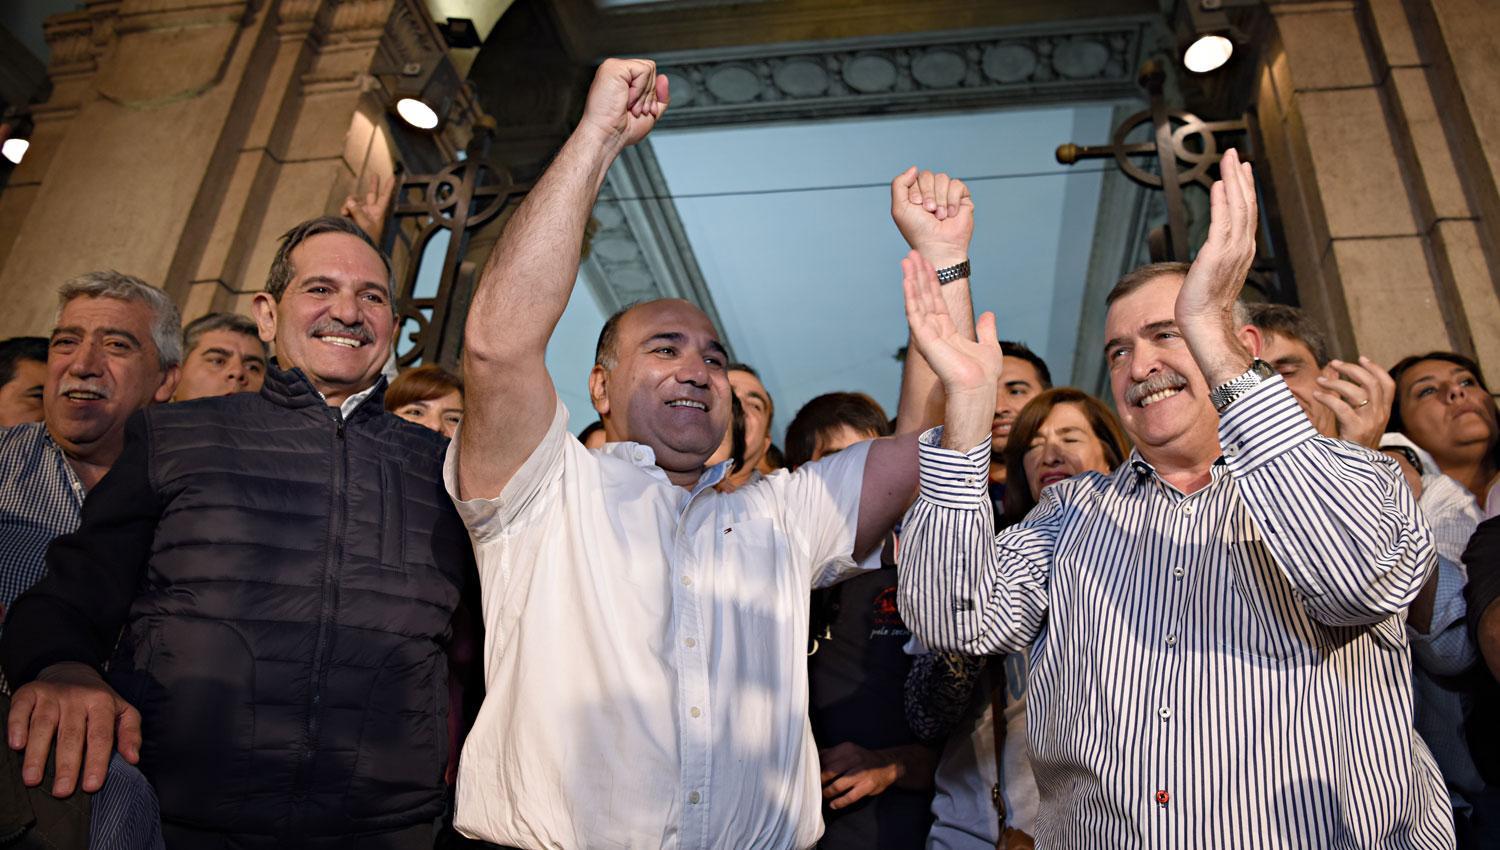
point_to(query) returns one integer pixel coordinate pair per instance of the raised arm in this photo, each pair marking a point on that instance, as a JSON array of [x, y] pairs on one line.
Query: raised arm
[[958, 589], [529, 278], [1341, 525], [936, 218], [935, 215]]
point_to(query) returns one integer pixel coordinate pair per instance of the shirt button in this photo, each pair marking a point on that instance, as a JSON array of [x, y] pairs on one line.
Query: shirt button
[[694, 798], [1165, 712], [687, 581], [1187, 509], [1177, 571], [1231, 451], [1162, 798], [690, 643], [1171, 640], [695, 712]]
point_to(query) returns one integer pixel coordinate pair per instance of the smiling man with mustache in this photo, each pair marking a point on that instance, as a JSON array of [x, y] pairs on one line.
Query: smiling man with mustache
[[284, 566], [1215, 630]]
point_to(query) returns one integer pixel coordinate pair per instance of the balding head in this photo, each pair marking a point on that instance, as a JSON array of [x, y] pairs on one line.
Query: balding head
[[659, 379]]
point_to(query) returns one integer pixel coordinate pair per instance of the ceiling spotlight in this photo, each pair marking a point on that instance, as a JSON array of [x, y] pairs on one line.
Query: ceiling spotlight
[[14, 150], [416, 113], [1207, 53]]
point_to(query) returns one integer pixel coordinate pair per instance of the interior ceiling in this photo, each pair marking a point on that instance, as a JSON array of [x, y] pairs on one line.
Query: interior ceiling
[[791, 226]]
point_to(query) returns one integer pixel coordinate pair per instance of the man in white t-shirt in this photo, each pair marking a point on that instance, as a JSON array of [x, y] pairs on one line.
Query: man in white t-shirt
[[646, 634]]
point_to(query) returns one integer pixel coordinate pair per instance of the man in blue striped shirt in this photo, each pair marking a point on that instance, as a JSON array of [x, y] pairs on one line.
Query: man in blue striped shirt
[[1216, 639]]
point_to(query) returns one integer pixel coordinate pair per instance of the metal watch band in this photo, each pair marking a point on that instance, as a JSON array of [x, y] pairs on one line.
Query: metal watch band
[[953, 273], [1225, 394]]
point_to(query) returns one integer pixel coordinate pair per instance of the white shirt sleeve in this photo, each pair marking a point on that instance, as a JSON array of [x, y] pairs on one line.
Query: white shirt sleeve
[[534, 483], [820, 508]]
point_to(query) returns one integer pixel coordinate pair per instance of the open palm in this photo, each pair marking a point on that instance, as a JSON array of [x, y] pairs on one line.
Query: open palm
[[962, 364]]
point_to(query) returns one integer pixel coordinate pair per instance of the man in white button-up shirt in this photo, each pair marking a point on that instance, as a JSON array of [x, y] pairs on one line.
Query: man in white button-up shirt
[[646, 635]]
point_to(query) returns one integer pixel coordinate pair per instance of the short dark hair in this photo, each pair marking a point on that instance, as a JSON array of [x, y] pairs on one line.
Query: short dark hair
[[1019, 351], [826, 413], [1137, 278], [770, 402], [282, 271], [1291, 323], [609, 337], [193, 332], [16, 349], [597, 425]]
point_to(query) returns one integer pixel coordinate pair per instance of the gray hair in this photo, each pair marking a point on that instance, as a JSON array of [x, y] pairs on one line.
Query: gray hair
[[165, 320], [282, 271], [195, 329], [1137, 278]]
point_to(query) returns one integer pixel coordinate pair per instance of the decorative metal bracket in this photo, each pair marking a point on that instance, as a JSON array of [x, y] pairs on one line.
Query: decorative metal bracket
[[1179, 163], [460, 199]]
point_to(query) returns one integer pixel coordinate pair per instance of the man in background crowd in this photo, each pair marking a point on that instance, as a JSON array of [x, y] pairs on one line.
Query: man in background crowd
[[1026, 374], [115, 349], [223, 354], [23, 371]]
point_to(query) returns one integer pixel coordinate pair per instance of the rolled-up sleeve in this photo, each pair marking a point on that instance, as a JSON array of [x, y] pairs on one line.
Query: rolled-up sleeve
[[1445, 649], [1340, 522], [488, 518], [961, 589]]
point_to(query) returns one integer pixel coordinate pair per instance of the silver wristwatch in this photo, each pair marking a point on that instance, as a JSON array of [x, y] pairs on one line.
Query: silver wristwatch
[[1225, 394], [952, 273]]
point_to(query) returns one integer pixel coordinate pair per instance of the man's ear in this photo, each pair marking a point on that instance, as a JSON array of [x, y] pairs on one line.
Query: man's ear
[[168, 385], [599, 390], [264, 308], [1250, 337]]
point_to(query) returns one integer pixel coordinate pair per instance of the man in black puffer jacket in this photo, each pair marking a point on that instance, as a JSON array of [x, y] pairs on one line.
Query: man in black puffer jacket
[[285, 567]]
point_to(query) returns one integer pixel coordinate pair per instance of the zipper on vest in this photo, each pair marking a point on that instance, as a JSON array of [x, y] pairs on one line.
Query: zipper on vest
[[337, 520]]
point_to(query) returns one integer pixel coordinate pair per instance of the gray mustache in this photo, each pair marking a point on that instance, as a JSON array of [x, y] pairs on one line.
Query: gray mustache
[[1154, 384], [101, 391], [336, 327]]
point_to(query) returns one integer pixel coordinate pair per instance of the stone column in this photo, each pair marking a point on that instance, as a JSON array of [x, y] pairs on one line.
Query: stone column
[[1385, 239], [184, 136]]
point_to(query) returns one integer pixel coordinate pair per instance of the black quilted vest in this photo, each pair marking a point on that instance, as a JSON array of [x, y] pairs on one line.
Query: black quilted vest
[[286, 651]]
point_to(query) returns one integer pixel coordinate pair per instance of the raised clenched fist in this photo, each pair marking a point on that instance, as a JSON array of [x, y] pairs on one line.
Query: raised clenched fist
[[625, 101], [935, 215]]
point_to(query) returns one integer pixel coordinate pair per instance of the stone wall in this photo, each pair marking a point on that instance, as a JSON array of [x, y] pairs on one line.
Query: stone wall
[[182, 137], [1373, 114]]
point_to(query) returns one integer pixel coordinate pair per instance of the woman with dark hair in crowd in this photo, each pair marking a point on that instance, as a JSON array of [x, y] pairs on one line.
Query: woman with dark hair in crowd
[[430, 396], [1445, 426], [1060, 433], [1443, 405]]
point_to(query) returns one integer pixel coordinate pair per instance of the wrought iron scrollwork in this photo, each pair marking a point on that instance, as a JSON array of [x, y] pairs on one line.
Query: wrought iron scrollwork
[[462, 198]]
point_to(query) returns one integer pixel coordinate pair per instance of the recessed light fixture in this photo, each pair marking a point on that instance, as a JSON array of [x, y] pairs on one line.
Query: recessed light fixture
[[1207, 53], [14, 150], [417, 113]]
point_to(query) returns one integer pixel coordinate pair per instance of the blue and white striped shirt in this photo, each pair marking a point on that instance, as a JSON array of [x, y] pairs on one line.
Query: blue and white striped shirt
[[1222, 669]]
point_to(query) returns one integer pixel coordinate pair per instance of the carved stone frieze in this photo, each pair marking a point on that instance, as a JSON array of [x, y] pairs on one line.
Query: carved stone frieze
[[911, 74]]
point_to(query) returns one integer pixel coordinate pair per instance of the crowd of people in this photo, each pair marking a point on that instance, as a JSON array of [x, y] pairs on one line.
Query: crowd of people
[[259, 590]]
